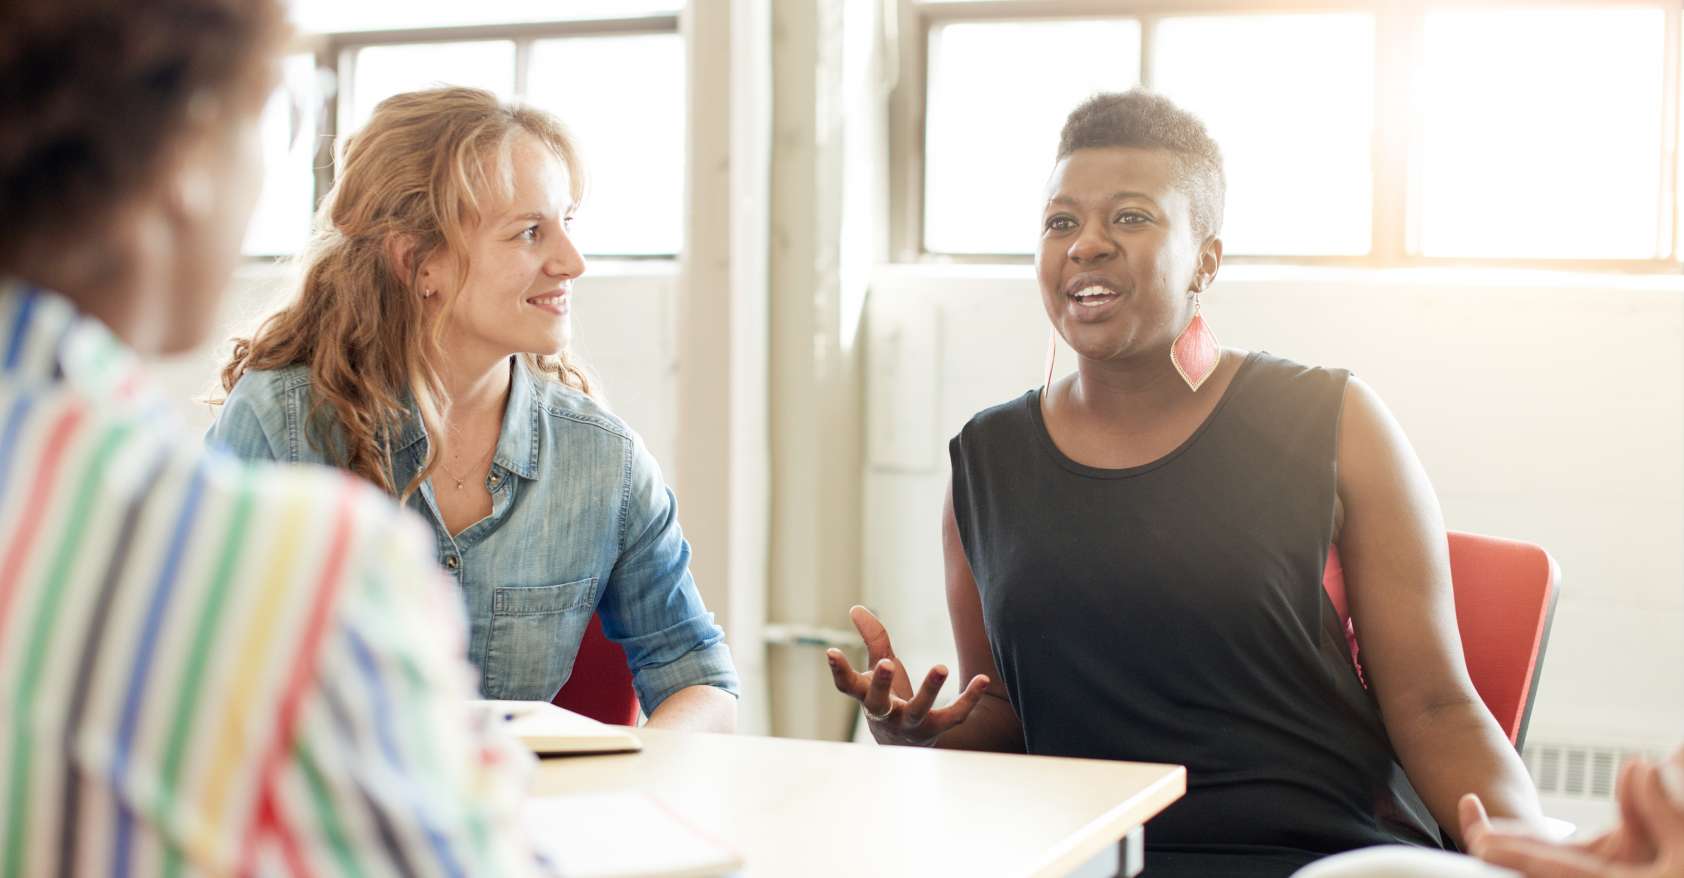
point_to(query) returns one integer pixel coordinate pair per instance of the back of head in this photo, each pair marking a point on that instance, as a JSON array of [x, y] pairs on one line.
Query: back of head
[[1144, 120], [411, 183], [96, 95]]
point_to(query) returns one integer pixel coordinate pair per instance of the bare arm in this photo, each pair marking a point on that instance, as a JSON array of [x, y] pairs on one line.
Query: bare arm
[[993, 724], [1397, 569], [697, 709]]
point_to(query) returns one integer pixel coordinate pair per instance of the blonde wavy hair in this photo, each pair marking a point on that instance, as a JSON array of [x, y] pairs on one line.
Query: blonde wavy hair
[[420, 172]]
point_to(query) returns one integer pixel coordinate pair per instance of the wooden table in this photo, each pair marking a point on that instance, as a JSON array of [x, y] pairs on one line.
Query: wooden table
[[818, 808]]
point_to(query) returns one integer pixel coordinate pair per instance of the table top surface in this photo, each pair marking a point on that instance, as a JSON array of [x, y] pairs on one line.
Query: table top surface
[[820, 808]]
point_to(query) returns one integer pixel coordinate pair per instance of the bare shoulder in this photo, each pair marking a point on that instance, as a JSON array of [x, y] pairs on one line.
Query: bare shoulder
[[1381, 479], [1368, 433]]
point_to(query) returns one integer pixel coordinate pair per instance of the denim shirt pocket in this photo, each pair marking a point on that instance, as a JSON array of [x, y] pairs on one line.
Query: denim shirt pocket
[[535, 634]]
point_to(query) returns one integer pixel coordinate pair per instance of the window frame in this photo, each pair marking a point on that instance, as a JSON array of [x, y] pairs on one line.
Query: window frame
[[336, 53], [1397, 183]]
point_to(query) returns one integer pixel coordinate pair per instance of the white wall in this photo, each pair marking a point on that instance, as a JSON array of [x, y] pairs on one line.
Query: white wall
[[1545, 407]]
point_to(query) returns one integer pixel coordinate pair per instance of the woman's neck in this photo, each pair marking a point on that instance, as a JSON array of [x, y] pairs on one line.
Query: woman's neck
[[1135, 390], [477, 392]]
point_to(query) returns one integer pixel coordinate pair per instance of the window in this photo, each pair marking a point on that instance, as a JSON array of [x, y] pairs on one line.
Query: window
[[1294, 115], [985, 129], [634, 161], [1554, 151], [631, 136], [1381, 133], [350, 16], [378, 72], [281, 222]]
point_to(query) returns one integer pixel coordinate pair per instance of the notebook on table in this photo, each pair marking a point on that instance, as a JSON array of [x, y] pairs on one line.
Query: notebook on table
[[623, 835], [548, 730]]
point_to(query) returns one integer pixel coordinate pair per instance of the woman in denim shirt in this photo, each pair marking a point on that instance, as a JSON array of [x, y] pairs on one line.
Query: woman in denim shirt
[[426, 351]]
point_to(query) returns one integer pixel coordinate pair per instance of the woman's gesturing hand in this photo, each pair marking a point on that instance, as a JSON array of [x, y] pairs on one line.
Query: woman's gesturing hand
[[894, 713], [1648, 842]]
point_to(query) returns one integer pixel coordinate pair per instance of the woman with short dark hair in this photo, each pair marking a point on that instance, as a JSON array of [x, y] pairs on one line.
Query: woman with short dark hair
[[1135, 552]]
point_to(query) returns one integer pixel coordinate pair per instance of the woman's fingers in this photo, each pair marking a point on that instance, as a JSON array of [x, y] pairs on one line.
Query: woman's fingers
[[878, 647], [1470, 811], [1628, 841], [1539, 859], [919, 706], [842, 673], [876, 637], [1661, 819], [942, 719], [1672, 777], [878, 699]]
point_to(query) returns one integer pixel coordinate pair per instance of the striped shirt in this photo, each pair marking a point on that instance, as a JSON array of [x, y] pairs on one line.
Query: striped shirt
[[213, 667]]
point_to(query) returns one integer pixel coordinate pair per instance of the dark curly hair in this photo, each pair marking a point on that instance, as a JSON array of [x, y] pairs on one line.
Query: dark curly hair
[[94, 95], [1139, 118]]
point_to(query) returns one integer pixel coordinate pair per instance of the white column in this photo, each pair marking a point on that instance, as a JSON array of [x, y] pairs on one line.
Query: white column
[[723, 470], [827, 231]]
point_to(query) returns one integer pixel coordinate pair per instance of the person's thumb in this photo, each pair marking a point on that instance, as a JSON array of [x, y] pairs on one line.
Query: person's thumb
[[1470, 811], [876, 636]]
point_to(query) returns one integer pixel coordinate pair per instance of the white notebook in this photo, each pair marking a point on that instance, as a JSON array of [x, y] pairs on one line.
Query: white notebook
[[548, 730], [623, 835]]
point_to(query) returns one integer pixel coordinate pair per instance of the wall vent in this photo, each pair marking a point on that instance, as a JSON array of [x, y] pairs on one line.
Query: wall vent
[[1581, 771]]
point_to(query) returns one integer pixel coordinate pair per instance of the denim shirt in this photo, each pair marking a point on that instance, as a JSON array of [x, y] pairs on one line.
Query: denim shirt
[[581, 523]]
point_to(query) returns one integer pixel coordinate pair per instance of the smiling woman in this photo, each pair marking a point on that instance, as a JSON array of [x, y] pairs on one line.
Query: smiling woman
[[1134, 553], [430, 336]]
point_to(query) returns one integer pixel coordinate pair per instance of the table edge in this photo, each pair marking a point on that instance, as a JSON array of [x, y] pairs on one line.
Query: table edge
[[1110, 827]]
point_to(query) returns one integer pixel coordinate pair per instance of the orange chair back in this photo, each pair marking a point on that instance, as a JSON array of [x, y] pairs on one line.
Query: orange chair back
[[1505, 601], [601, 684]]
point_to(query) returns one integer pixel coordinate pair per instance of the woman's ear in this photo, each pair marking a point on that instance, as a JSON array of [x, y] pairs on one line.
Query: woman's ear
[[190, 193], [400, 253], [1210, 262], [399, 249]]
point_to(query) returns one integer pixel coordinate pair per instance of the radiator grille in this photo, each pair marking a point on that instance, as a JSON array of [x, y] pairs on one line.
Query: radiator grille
[[1585, 771]]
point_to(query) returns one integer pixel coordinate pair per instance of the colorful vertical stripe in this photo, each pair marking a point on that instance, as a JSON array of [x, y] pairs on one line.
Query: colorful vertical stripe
[[116, 563], [71, 544], [173, 625]]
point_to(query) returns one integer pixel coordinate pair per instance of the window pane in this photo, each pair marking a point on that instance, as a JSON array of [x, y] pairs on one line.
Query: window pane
[[631, 136], [1550, 149], [281, 222], [382, 71], [998, 95], [339, 16], [1292, 105]]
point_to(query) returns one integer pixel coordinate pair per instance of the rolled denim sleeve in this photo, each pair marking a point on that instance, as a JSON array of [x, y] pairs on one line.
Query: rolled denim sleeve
[[651, 606]]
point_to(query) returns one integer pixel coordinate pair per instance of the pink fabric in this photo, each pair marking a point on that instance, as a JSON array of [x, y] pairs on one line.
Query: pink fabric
[[1195, 352], [1333, 581]]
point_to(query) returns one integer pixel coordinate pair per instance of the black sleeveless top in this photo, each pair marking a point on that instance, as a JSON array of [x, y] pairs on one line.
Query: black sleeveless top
[[1174, 612]]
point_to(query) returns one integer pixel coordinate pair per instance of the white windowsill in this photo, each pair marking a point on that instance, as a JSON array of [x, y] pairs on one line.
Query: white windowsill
[[263, 270], [1495, 278]]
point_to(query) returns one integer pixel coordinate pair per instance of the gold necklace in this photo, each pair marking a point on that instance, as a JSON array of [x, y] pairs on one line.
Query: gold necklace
[[463, 480]]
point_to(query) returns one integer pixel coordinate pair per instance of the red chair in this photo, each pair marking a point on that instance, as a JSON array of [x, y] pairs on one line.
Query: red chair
[[1505, 601], [601, 684]]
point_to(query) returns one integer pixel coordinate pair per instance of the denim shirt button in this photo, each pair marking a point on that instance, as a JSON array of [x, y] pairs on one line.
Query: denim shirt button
[[452, 562]]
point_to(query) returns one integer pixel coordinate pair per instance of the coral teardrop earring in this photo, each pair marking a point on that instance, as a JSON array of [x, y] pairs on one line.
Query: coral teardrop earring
[[1196, 350]]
